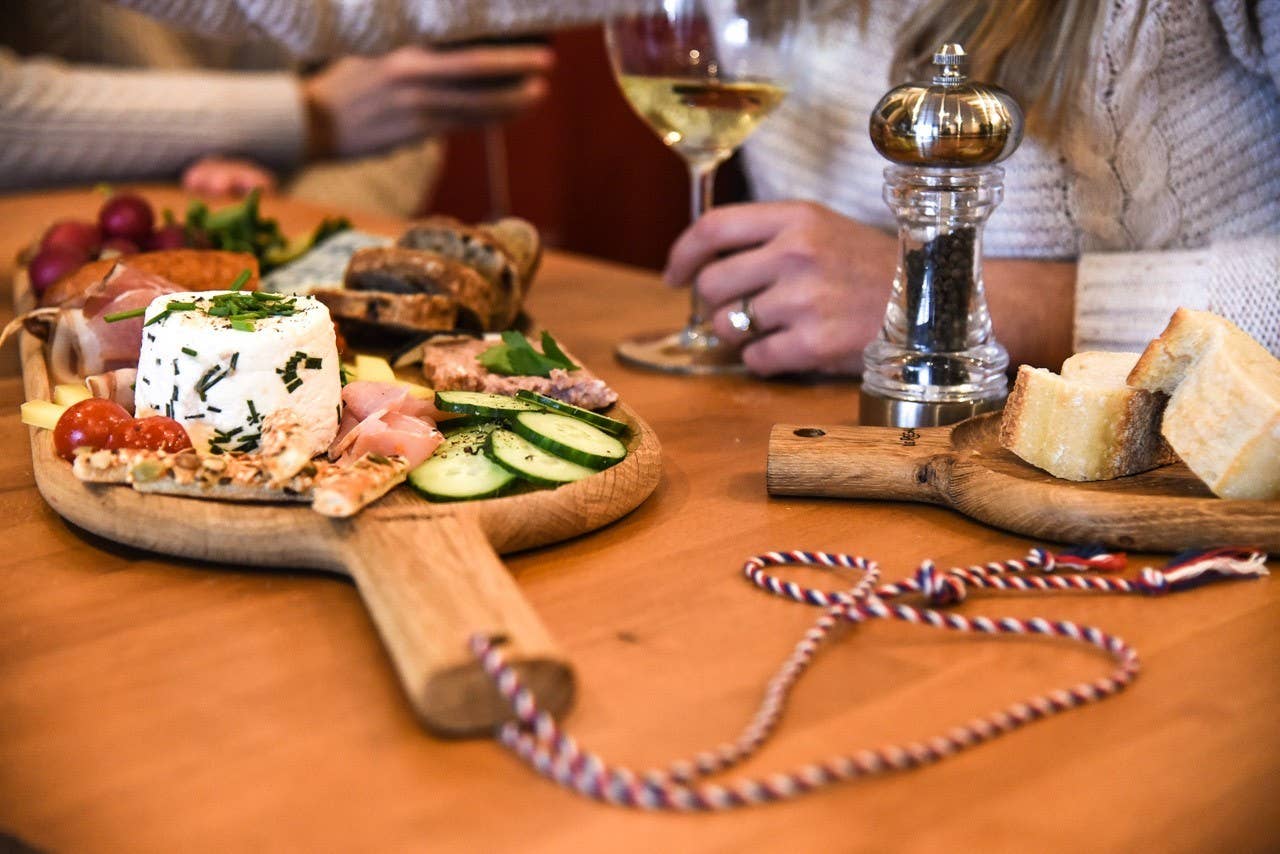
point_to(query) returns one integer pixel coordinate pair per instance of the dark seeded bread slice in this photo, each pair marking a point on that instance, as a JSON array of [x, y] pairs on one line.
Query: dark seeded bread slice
[[400, 271], [398, 312], [481, 251]]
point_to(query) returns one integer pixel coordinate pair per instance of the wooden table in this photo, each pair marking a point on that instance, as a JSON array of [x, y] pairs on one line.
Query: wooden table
[[151, 704]]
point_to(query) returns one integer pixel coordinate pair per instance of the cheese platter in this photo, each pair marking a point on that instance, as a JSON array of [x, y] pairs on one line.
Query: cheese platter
[[426, 565]]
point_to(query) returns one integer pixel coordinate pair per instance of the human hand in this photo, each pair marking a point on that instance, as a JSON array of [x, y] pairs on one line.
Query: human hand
[[362, 105], [817, 282], [226, 176]]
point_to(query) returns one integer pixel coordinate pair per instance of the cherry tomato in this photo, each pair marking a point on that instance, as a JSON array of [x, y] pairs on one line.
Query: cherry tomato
[[89, 423], [154, 433]]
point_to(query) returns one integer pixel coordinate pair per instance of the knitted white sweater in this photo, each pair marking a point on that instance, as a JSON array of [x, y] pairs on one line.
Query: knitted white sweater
[[1166, 187], [128, 98]]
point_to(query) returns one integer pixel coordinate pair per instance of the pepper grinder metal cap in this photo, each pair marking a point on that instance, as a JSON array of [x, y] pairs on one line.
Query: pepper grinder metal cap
[[950, 122], [936, 360]]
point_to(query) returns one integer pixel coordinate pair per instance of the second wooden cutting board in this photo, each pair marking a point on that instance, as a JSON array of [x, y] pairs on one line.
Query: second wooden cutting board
[[965, 468]]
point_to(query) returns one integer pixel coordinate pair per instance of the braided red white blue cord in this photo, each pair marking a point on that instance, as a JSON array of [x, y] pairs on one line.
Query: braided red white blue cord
[[536, 738]]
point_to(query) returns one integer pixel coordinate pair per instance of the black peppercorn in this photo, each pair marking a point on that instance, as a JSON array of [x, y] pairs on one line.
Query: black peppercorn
[[939, 286]]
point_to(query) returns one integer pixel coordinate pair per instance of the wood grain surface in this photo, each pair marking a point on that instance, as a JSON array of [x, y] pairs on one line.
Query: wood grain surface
[[153, 704], [965, 468]]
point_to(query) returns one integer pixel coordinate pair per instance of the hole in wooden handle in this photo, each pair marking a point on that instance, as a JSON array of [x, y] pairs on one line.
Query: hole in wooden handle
[[809, 432]]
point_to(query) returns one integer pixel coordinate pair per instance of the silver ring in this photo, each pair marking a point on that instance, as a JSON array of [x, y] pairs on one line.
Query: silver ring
[[743, 318]]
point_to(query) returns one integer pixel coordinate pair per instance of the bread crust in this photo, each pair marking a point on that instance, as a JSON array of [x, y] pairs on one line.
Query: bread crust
[[400, 271], [1083, 431], [189, 269], [408, 313], [480, 249]]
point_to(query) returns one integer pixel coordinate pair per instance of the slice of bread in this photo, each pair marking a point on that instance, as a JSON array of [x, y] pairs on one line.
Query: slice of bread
[[1086, 424], [522, 242], [369, 311], [393, 270], [480, 250], [1223, 416]]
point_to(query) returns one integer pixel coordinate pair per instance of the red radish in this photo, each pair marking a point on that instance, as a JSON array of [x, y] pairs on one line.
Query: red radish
[[114, 246], [172, 236], [83, 237], [52, 264], [128, 216]]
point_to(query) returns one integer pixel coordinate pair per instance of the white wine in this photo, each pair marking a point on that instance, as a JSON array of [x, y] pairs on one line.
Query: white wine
[[704, 120]]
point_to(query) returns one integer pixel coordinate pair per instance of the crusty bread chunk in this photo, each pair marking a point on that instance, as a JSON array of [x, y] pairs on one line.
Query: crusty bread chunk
[[405, 313], [480, 250], [1086, 424], [1223, 416]]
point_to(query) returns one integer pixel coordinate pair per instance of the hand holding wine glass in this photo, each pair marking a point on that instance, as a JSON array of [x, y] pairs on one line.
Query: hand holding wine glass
[[703, 74]]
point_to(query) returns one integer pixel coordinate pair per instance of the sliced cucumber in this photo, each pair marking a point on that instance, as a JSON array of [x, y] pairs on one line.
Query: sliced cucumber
[[459, 469], [469, 422], [480, 403], [570, 438], [609, 425], [518, 455]]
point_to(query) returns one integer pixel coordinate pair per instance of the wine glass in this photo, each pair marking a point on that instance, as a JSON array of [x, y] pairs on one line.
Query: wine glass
[[703, 74]]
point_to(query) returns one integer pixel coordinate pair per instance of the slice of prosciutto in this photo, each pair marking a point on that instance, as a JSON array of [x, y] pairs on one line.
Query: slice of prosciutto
[[114, 385], [384, 419], [84, 343]]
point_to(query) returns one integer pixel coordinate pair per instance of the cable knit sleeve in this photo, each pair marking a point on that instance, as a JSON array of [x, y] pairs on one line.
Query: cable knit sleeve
[[1252, 30], [1124, 299], [65, 123], [324, 28]]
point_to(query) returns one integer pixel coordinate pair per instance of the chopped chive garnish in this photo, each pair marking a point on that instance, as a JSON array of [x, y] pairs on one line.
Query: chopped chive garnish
[[178, 305], [159, 317], [125, 315], [242, 325], [213, 409], [241, 280], [189, 351], [264, 296], [313, 363], [235, 357]]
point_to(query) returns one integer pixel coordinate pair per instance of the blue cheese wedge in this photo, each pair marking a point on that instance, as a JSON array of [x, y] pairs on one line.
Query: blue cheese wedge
[[322, 267], [220, 362]]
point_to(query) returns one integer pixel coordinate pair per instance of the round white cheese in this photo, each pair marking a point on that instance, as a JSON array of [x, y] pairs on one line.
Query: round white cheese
[[220, 376]]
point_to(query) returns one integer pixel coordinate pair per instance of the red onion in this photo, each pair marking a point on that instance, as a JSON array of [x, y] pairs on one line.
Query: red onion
[[128, 216], [52, 264]]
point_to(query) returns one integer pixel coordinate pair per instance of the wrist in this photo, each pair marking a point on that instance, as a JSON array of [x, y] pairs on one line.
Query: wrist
[[320, 136]]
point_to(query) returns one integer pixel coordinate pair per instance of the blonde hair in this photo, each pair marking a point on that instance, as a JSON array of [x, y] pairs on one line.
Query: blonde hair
[[1039, 50]]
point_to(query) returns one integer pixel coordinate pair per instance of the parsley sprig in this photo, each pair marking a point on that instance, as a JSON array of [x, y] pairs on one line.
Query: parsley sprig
[[515, 356]]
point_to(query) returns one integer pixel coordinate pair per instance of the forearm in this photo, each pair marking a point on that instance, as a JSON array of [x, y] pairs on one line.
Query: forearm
[[62, 124], [327, 28], [1032, 305]]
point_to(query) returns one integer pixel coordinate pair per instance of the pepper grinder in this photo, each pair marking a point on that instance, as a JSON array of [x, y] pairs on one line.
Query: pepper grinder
[[936, 360]]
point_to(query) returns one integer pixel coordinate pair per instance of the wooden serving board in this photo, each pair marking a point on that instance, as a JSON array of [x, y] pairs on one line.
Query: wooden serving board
[[965, 468], [428, 572]]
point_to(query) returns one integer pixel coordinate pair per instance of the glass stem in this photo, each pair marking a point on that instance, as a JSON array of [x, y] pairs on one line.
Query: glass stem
[[702, 185]]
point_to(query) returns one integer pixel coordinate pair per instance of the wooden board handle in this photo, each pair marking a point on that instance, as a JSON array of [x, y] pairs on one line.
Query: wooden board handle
[[430, 583], [860, 462]]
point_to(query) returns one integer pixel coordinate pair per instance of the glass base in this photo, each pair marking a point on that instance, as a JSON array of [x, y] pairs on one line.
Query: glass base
[[684, 352]]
